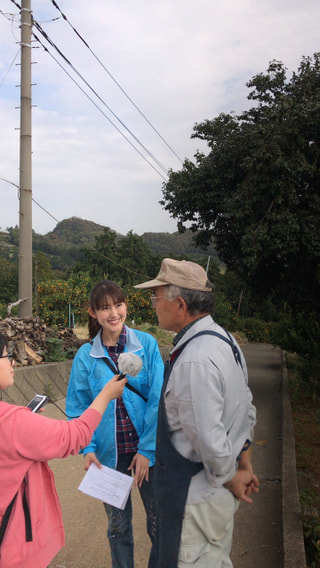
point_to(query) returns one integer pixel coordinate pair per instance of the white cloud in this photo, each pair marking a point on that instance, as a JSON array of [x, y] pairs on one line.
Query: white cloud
[[180, 62]]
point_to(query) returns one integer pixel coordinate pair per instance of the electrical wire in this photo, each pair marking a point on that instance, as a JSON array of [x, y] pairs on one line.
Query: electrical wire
[[15, 57], [16, 4], [34, 201], [99, 109], [95, 251], [50, 401], [45, 35], [115, 81], [160, 165], [12, 18]]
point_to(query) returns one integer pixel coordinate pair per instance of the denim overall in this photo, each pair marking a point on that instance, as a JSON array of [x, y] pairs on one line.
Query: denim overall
[[172, 477]]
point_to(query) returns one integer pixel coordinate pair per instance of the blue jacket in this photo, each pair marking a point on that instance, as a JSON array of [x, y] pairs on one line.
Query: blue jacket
[[89, 374]]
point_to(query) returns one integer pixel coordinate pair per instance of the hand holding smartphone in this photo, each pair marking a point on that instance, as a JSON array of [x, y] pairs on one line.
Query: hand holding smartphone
[[37, 402]]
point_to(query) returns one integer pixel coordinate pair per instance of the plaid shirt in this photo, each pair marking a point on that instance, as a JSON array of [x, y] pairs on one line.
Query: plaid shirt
[[127, 437]]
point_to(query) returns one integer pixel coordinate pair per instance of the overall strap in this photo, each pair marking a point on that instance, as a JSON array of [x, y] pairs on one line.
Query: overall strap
[[228, 340], [115, 371]]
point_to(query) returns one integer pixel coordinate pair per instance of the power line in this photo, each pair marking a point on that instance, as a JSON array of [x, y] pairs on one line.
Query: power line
[[94, 251], [34, 201], [115, 81], [8, 15], [16, 4], [99, 109], [12, 18], [148, 152], [15, 57], [45, 35]]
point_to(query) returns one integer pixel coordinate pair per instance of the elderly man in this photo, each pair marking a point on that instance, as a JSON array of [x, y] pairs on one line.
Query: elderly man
[[205, 425]]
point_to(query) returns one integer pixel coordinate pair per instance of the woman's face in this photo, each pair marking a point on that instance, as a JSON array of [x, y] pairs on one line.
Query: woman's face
[[6, 370], [111, 316]]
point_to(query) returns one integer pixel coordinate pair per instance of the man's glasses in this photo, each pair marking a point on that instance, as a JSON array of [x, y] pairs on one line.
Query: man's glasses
[[155, 298]]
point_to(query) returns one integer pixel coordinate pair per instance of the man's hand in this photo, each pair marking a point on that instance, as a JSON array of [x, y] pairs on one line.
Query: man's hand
[[140, 464], [89, 459], [243, 484], [247, 466], [245, 481]]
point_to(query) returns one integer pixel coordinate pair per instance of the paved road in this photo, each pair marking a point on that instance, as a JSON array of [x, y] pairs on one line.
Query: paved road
[[258, 527]]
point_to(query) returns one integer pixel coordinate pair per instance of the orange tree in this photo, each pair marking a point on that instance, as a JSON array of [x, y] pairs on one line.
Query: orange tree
[[57, 297], [140, 309]]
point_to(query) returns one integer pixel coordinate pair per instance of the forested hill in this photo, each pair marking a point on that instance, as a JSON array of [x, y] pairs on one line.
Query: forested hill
[[63, 245]]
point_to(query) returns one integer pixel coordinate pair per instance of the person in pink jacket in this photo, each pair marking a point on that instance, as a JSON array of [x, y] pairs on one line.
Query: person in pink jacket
[[34, 533]]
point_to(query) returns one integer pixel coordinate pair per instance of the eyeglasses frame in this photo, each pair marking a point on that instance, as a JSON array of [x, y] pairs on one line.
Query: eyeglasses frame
[[154, 299], [9, 356]]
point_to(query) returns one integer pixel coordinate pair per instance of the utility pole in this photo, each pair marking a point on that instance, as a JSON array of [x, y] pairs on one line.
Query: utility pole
[[25, 183]]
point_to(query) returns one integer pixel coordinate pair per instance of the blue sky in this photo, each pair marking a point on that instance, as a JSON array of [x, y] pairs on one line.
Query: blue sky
[[181, 62]]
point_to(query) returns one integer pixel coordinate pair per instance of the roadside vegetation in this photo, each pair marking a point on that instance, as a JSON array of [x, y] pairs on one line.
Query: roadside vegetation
[[304, 383]]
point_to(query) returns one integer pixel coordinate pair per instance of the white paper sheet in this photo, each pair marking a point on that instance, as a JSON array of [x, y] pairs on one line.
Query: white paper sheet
[[108, 485]]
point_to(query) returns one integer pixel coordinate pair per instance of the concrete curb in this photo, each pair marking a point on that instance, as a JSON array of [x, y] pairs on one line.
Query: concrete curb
[[293, 543]]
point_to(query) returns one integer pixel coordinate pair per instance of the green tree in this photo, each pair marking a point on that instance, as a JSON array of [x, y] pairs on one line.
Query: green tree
[[101, 259], [256, 194], [13, 235], [123, 259], [135, 259], [8, 282], [42, 268]]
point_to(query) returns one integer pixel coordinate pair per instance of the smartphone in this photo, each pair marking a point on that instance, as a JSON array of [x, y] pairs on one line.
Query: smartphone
[[37, 401]]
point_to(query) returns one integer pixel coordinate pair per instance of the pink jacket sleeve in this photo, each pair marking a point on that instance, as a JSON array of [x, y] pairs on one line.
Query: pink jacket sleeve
[[38, 438]]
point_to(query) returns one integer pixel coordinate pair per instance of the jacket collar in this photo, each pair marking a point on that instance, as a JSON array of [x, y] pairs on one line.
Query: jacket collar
[[133, 344]]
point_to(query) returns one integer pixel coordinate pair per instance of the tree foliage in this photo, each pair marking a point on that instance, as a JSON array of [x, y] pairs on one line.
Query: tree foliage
[[126, 260], [8, 281], [256, 194], [42, 268], [58, 298]]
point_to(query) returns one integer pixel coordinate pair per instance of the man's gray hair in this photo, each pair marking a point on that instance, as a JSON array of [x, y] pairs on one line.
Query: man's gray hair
[[197, 302]]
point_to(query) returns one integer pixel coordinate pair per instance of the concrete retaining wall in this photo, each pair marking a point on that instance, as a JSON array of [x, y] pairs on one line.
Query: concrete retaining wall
[[49, 378]]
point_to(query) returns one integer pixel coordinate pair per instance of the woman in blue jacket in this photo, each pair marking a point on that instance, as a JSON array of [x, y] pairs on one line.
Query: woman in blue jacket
[[126, 437]]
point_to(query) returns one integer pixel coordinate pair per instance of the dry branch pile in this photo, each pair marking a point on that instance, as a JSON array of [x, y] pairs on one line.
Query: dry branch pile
[[32, 342]]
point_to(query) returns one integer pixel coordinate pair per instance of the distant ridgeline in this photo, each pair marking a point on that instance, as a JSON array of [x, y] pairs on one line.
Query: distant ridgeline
[[63, 245]]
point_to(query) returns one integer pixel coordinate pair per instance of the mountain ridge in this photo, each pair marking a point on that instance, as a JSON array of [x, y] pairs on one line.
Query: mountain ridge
[[63, 245]]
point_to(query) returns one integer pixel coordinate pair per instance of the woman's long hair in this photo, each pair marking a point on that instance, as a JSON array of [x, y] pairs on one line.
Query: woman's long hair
[[98, 298]]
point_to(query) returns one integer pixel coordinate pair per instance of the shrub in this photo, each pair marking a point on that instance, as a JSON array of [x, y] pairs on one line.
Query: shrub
[[139, 306], [224, 314], [255, 329], [298, 333]]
